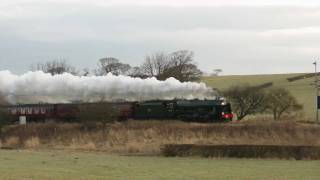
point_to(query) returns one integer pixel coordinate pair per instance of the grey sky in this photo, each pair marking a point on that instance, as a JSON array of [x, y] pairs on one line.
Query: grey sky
[[240, 37]]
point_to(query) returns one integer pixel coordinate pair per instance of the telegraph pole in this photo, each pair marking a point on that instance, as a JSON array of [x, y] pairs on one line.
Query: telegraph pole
[[317, 90]]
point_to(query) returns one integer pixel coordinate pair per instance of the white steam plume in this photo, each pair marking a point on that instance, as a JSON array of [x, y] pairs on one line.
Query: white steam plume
[[35, 87]]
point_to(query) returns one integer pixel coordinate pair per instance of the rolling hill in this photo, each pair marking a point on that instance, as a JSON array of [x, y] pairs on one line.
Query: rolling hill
[[300, 88]]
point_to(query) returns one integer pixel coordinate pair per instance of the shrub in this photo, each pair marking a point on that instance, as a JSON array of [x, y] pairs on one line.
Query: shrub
[[280, 101], [32, 143], [12, 142], [243, 151], [246, 100]]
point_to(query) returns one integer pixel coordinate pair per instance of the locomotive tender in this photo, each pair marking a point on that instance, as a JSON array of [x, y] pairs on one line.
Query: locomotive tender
[[187, 110]]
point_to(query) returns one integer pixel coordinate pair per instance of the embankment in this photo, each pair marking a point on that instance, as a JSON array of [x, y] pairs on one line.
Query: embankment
[[148, 137]]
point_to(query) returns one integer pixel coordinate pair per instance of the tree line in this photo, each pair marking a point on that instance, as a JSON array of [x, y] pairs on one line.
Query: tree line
[[180, 65], [250, 100]]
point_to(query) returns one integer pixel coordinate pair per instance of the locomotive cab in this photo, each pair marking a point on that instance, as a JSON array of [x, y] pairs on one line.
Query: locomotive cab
[[226, 112]]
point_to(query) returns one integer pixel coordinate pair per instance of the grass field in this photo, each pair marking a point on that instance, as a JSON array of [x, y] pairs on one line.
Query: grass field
[[79, 165], [301, 89]]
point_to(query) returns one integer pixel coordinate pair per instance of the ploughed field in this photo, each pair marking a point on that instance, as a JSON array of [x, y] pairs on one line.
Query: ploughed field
[[26, 164], [301, 88]]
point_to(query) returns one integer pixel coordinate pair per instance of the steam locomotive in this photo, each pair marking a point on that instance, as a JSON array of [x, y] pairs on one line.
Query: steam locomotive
[[187, 110]]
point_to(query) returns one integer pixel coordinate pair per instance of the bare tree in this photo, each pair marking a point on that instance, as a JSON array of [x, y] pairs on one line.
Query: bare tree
[[180, 58], [112, 65], [280, 101], [148, 68], [55, 67], [179, 65], [182, 67], [137, 72], [155, 64], [247, 100]]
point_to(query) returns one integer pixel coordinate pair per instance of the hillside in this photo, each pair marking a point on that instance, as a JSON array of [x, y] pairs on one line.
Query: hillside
[[301, 89]]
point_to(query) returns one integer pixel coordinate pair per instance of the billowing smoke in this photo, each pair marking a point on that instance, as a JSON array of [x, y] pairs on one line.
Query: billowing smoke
[[35, 87]]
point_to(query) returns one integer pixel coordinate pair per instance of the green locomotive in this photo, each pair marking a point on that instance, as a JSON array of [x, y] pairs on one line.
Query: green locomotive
[[187, 110]]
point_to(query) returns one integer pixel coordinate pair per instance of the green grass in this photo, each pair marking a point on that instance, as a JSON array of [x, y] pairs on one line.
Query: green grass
[[301, 89], [77, 165]]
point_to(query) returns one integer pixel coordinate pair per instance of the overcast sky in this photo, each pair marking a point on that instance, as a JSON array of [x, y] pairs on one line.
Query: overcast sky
[[238, 36]]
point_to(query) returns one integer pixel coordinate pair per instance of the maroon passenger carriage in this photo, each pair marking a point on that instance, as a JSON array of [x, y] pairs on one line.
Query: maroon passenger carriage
[[58, 112]]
